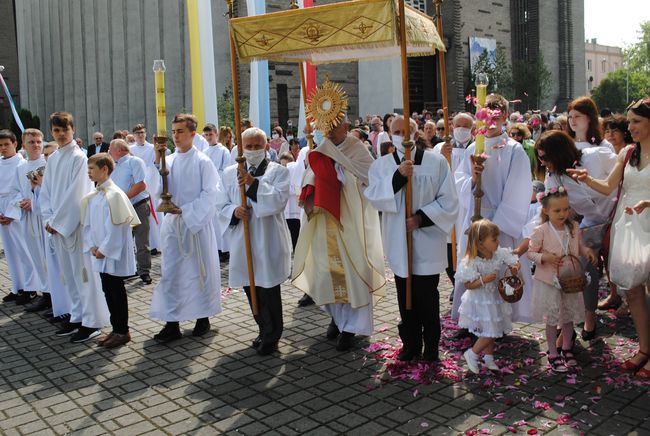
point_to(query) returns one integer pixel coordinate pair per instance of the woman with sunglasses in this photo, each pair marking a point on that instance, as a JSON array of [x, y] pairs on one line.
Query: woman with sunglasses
[[634, 200], [558, 153]]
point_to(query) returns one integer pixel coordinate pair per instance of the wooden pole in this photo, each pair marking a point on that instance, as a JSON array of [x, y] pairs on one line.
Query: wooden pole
[[445, 109], [407, 150], [241, 160], [303, 84]]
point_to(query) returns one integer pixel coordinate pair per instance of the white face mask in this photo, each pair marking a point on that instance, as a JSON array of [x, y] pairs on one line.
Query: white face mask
[[289, 138], [275, 136], [462, 135], [397, 142], [318, 136], [254, 157]]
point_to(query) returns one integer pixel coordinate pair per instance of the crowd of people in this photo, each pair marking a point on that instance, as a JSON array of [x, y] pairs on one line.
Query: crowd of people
[[563, 205]]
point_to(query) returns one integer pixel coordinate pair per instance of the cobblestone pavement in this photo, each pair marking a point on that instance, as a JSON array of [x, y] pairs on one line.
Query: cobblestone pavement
[[218, 385]]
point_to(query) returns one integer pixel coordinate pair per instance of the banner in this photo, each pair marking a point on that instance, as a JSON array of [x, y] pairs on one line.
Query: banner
[[11, 103]]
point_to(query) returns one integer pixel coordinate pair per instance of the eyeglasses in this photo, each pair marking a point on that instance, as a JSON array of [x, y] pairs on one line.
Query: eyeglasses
[[513, 134], [440, 129]]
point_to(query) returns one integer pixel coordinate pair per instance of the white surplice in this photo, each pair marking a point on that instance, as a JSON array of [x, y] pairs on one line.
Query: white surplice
[[64, 184], [269, 234], [434, 193], [31, 223], [16, 253], [190, 286], [293, 211], [507, 189], [220, 157], [147, 153], [115, 242]]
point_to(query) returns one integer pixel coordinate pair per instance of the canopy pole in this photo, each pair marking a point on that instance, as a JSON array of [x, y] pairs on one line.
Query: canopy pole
[[303, 85], [241, 160], [407, 150], [445, 109]]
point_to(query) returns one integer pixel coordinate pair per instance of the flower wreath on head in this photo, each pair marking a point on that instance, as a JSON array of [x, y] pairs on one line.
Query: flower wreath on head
[[553, 191]]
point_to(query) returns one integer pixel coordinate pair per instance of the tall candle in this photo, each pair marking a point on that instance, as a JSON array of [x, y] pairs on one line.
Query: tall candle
[[481, 95], [159, 81]]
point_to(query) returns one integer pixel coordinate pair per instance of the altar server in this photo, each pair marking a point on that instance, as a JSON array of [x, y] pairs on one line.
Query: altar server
[[267, 192], [190, 286]]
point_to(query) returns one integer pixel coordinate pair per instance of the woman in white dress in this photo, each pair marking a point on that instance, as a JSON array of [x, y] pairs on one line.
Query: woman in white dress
[[634, 200], [584, 125]]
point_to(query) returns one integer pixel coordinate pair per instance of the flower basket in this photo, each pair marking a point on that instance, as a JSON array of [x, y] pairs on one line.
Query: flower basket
[[517, 286], [571, 275]]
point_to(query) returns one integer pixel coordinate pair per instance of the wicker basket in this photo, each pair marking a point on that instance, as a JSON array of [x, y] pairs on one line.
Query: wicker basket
[[515, 283], [572, 275]]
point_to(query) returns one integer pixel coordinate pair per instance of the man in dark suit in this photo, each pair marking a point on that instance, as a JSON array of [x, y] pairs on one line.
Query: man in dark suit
[[99, 146]]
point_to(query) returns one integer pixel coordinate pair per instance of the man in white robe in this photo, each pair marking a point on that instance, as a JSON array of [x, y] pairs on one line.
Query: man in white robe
[[339, 260], [21, 269], [434, 209], [31, 223], [267, 191], [220, 157], [190, 286], [65, 182], [507, 188], [145, 151]]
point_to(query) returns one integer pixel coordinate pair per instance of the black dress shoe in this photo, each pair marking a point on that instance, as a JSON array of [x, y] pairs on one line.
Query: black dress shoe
[[430, 355], [9, 297], [169, 333], [305, 301], [41, 303], [146, 278], [586, 334], [332, 331], [201, 327], [266, 349], [345, 341], [25, 297], [407, 355]]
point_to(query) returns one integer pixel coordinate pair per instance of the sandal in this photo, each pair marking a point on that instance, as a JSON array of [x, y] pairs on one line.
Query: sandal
[[557, 364], [643, 373], [623, 310], [574, 336], [629, 364], [569, 358]]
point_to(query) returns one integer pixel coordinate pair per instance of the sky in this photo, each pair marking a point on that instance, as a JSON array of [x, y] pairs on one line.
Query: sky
[[616, 22]]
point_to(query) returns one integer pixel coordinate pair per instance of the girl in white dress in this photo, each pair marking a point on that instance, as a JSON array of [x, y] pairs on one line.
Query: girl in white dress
[[482, 310], [632, 168]]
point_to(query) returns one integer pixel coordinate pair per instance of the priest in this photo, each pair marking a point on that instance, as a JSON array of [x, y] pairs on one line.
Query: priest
[[434, 208], [190, 286], [339, 260]]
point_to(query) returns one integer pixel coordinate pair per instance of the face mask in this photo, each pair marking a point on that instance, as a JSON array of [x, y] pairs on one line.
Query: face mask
[[462, 135], [318, 136], [275, 136], [254, 157], [397, 142], [289, 138]]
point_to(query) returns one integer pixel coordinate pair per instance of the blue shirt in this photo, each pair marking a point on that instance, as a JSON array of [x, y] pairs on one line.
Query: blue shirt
[[129, 170]]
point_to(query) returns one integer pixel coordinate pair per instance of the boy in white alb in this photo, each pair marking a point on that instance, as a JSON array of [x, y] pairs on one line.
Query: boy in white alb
[[65, 182], [21, 269], [107, 216]]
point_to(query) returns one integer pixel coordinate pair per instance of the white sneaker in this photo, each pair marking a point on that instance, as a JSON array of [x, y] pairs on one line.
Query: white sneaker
[[490, 363], [472, 360]]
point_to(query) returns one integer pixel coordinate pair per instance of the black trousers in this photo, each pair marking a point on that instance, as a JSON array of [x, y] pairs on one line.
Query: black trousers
[[269, 313], [450, 265], [422, 322], [115, 293], [294, 229]]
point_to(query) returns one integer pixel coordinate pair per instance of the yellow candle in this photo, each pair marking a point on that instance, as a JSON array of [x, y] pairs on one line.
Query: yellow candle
[[481, 95], [159, 82]]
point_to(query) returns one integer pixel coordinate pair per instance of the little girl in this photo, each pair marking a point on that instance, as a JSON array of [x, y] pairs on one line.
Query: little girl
[[556, 237], [482, 310]]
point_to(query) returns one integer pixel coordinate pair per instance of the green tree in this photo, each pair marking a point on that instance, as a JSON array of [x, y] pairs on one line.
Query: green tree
[[226, 110], [611, 93], [531, 81], [498, 71], [637, 56]]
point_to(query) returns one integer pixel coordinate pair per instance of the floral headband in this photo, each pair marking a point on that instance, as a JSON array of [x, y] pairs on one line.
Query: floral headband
[[553, 191]]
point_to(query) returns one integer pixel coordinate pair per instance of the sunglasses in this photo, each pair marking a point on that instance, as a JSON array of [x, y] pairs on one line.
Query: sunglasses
[[513, 134], [637, 104]]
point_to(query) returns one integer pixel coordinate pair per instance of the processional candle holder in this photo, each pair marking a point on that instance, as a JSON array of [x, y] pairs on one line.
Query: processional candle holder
[[160, 140], [479, 156]]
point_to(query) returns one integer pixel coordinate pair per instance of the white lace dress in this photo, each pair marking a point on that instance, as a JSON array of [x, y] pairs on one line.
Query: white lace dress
[[482, 310], [636, 187]]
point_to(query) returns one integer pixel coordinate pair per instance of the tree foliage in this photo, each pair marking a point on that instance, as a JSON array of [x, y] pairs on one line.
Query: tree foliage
[[226, 110], [531, 82], [29, 121], [637, 56], [611, 93]]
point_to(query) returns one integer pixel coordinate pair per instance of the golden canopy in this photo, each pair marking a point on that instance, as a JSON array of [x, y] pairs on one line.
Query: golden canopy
[[338, 32]]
